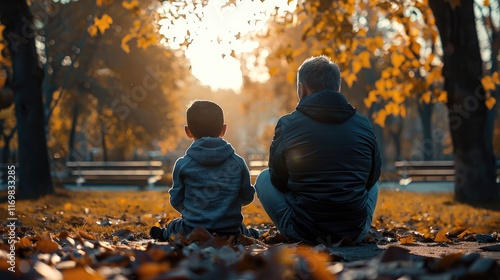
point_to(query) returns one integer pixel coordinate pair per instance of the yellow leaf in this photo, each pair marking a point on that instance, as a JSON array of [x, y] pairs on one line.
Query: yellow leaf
[[372, 97], [395, 72], [490, 102], [356, 66], [443, 97], [104, 2], [408, 53], [92, 30], [426, 97], [430, 59], [125, 46], [389, 84], [103, 23], [415, 47], [391, 109], [131, 5], [397, 59], [402, 111], [380, 118], [385, 74], [415, 63], [488, 83], [495, 78], [146, 41], [364, 57], [349, 79]]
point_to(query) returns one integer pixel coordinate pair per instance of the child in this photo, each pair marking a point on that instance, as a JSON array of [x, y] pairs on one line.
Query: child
[[210, 182]]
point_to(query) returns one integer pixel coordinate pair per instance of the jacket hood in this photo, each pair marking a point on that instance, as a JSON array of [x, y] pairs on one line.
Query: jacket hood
[[326, 106], [210, 150]]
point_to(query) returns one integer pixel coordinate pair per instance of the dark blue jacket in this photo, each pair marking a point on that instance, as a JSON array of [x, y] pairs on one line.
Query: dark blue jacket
[[210, 185], [324, 157]]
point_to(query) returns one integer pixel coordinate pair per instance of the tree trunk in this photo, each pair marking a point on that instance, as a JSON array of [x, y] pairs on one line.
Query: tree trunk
[[34, 170], [428, 145], [395, 126], [462, 70], [104, 146], [73, 154]]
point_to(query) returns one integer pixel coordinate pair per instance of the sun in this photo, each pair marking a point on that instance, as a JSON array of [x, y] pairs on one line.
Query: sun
[[215, 31]]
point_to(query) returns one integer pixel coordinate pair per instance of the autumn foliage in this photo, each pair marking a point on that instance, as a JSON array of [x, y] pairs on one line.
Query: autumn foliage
[[97, 235]]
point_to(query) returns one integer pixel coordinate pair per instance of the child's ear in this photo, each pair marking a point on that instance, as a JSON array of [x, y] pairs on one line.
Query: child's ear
[[223, 130], [188, 132]]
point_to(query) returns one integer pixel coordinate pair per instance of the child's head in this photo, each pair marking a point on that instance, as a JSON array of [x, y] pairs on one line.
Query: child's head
[[204, 119]]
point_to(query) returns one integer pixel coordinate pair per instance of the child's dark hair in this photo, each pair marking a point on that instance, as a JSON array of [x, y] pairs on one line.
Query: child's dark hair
[[205, 119]]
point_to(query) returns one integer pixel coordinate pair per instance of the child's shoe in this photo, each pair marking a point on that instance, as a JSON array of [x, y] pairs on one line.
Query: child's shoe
[[157, 233], [252, 233]]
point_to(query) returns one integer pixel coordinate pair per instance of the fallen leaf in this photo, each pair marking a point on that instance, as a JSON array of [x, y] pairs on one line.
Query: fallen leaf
[[441, 237], [407, 240], [456, 232], [46, 246], [82, 273], [86, 235]]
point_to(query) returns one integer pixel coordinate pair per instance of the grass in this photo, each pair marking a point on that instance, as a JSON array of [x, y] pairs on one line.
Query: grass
[[102, 213]]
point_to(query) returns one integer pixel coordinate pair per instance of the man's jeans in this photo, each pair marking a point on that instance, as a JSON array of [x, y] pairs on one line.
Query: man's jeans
[[278, 210]]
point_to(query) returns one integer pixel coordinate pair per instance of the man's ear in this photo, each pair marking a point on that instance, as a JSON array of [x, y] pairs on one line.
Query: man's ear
[[303, 91], [223, 130], [188, 132]]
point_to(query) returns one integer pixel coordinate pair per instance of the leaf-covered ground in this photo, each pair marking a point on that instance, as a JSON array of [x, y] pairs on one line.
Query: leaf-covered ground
[[104, 235]]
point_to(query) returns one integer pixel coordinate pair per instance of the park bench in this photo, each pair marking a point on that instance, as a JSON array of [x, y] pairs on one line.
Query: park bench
[[256, 163], [434, 170], [139, 173]]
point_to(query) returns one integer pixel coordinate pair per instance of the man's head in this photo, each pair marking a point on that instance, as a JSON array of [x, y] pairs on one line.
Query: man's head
[[204, 119], [317, 73]]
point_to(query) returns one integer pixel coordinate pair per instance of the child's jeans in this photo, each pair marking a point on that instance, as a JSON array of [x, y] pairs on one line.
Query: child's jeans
[[178, 226]]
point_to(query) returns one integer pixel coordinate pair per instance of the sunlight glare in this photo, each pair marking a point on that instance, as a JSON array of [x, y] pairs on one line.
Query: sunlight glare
[[215, 41]]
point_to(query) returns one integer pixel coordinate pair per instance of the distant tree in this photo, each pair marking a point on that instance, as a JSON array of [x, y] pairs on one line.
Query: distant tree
[[124, 92]]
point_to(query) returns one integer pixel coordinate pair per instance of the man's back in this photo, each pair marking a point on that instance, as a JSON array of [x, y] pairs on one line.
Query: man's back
[[325, 156]]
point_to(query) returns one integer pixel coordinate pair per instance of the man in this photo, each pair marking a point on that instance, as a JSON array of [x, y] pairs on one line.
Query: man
[[324, 163]]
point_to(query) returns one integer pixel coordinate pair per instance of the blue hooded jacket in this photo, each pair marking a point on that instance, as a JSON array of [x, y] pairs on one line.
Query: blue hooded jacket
[[210, 185], [324, 157]]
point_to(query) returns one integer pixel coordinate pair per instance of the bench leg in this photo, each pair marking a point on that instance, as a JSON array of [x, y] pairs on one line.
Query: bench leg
[[79, 181]]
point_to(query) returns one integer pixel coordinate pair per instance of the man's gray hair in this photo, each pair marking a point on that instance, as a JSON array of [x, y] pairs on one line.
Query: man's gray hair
[[319, 73]]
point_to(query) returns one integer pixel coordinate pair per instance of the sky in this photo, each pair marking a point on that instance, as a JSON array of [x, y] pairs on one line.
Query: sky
[[214, 38]]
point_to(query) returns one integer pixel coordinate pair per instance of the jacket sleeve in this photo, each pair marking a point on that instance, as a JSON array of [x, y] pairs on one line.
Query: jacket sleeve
[[376, 166], [277, 167], [247, 191], [177, 190]]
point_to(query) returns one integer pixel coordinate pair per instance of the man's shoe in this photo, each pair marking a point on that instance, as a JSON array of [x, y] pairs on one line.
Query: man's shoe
[[157, 233]]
